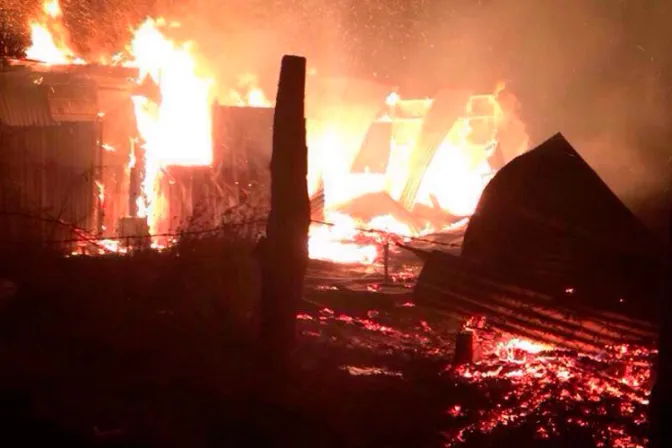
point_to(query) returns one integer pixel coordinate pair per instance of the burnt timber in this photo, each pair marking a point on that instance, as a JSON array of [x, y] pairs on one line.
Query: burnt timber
[[284, 252]]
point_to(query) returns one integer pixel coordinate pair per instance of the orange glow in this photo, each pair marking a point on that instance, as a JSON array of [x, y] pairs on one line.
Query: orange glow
[[50, 38], [338, 243], [177, 127], [537, 370], [174, 119], [453, 181], [246, 94], [460, 169]]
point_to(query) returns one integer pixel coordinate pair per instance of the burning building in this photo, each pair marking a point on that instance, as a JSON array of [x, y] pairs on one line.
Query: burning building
[[163, 154], [64, 133]]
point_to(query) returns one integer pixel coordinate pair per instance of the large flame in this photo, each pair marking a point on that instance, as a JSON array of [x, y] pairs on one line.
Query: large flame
[[177, 127], [50, 38], [453, 182], [173, 114], [460, 169]]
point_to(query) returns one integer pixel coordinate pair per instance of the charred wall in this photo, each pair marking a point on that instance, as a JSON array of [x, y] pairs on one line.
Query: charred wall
[[48, 182], [57, 182]]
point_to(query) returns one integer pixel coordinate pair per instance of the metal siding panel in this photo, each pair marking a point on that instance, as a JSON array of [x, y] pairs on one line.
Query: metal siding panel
[[23, 104], [52, 167]]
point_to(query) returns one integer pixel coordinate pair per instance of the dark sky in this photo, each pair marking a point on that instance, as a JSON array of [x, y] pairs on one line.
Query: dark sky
[[597, 70]]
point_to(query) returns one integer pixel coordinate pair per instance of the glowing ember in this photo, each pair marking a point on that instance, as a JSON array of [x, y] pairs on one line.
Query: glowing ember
[[517, 383], [370, 371], [547, 384]]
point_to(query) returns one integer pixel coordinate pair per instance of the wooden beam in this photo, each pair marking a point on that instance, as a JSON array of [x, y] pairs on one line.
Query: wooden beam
[[661, 395], [284, 252]]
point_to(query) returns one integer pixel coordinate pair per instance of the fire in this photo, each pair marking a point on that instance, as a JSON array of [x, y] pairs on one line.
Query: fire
[[173, 114], [339, 242], [177, 127], [50, 38], [247, 93], [460, 169], [453, 182]]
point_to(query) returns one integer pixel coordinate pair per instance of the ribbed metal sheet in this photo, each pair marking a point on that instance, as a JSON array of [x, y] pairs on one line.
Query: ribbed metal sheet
[[47, 172], [50, 162], [35, 99], [23, 103]]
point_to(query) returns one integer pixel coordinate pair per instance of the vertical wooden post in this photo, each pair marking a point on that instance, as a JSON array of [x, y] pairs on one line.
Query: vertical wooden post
[[285, 250], [661, 396], [386, 261], [100, 176]]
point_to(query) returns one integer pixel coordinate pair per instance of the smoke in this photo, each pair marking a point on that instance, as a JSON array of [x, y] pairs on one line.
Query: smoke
[[592, 70], [588, 68]]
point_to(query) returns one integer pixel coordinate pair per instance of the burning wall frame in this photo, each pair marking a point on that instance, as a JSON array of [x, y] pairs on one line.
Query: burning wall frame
[[55, 125]]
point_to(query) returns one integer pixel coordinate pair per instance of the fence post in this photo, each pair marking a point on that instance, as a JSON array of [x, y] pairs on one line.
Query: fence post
[[284, 254], [386, 258]]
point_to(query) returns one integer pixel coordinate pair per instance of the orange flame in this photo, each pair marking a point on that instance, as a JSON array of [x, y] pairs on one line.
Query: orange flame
[[247, 94], [50, 38], [453, 181], [175, 124], [177, 128]]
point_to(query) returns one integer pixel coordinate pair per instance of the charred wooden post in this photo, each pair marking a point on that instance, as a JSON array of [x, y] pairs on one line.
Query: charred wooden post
[[285, 250], [135, 180], [100, 180], [465, 348], [386, 260], [661, 396]]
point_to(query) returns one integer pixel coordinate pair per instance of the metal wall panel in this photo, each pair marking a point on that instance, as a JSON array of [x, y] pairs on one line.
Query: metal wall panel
[[47, 176]]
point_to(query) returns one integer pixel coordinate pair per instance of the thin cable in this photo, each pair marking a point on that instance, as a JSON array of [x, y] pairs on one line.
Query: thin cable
[[94, 239]]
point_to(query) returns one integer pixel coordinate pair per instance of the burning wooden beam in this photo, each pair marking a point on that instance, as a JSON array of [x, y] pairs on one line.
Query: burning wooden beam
[[445, 110], [661, 396]]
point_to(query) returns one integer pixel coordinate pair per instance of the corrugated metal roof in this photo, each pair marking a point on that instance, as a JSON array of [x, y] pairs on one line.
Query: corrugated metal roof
[[34, 99], [23, 104]]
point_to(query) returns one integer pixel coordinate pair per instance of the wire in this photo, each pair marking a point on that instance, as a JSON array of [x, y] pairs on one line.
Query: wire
[[86, 237], [400, 236]]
